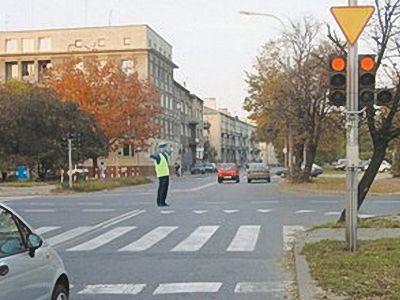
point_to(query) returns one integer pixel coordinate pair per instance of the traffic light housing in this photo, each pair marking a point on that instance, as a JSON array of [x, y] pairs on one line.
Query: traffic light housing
[[366, 80], [384, 97], [337, 80]]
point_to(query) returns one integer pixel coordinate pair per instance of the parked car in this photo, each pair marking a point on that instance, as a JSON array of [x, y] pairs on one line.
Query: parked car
[[210, 168], [228, 171], [316, 170], [30, 269], [384, 167], [340, 164], [198, 168], [278, 169], [258, 171]]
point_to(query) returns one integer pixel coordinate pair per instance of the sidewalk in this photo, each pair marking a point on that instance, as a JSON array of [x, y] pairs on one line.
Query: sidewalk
[[7, 191], [307, 287]]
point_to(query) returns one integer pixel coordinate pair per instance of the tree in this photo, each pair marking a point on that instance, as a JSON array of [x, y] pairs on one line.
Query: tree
[[383, 122], [124, 105], [34, 123], [288, 94]]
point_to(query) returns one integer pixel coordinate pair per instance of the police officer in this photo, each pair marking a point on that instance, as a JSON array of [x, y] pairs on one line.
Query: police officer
[[161, 160]]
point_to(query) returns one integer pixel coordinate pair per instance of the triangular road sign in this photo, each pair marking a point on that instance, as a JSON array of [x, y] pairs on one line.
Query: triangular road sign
[[352, 20]]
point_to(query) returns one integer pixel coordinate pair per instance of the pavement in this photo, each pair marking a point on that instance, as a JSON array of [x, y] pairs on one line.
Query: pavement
[[215, 241]]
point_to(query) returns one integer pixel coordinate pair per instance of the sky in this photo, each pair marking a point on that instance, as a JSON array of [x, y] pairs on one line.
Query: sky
[[213, 44]]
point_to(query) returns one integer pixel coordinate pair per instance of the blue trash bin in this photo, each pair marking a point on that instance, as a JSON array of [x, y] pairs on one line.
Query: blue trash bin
[[22, 173]]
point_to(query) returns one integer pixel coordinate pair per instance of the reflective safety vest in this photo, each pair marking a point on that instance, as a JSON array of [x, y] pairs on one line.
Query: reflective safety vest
[[162, 168]]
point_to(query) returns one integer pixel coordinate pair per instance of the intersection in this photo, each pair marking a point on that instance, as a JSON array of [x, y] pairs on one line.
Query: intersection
[[215, 241]]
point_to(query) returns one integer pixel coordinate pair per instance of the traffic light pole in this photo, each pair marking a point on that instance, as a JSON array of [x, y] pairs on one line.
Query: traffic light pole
[[352, 148]]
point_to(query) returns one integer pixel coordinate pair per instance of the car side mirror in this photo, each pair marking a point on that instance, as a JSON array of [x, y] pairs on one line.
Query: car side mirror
[[34, 243]]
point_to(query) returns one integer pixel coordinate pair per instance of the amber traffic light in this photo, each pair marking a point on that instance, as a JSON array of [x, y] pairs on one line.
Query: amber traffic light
[[337, 80], [366, 80]]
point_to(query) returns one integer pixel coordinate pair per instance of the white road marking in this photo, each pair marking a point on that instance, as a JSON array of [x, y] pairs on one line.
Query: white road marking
[[196, 240], [188, 287], [333, 213], [39, 210], [264, 210], [265, 202], [288, 235], [365, 216], [113, 289], [304, 211], [324, 201], [260, 287], [119, 219], [199, 212], [195, 189], [230, 211], [41, 204], [215, 202], [68, 235], [95, 210], [90, 203], [245, 239], [44, 229], [103, 239], [167, 212], [150, 239]]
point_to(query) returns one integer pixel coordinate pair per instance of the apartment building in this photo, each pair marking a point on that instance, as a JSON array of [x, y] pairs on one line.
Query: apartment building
[[230, 137], [23, 54]]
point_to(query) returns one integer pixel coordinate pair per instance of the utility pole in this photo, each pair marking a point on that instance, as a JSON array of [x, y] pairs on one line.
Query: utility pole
[[70, 161], [352, 148]]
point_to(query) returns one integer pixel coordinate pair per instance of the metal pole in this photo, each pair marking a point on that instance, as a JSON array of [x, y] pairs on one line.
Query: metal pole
[[352, 144], [70, 162]]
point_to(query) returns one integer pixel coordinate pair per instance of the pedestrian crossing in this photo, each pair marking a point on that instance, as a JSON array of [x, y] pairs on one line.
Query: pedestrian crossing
[[276, 290], [244, 238]]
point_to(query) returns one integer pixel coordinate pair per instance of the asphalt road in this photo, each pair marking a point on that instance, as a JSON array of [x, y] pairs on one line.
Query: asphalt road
[[215, 241]]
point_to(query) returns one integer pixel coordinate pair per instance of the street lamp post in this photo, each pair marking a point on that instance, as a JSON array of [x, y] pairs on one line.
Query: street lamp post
[[249, 13]]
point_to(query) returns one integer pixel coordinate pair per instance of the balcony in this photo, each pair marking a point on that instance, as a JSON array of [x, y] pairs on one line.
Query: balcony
[[193, 122]]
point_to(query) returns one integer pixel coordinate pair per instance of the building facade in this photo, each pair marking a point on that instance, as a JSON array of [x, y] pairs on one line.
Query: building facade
[[230, 138], [23, 54]]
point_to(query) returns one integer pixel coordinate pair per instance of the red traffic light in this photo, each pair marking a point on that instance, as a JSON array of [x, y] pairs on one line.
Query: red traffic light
[[367, 63], [338, 64]]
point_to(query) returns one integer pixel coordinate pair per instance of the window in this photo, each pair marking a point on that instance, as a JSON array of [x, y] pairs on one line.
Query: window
[[101, 42], [28, 45], [11, 45], [127, 66], [44, 44], [127, 41], [11, 70], [10, 236], [126, 150], [28, 70]]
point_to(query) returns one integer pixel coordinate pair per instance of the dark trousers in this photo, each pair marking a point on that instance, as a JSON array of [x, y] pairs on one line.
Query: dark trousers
[[162, 190]]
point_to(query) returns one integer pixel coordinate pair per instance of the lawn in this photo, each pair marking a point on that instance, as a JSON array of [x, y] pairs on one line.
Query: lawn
[[98, 185], [373, 272], [338, 186], [376, 222]]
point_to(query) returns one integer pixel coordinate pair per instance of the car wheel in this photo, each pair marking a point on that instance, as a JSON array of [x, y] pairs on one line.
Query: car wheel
[[219, 180], [269, 179], [248, 180], [237, 180], [60, 292]]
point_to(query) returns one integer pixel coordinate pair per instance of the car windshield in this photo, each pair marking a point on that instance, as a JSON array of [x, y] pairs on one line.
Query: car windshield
[[228, 167], [257, 166]]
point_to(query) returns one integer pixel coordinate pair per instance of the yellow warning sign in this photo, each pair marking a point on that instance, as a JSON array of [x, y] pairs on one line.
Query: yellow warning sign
[[352, 20]]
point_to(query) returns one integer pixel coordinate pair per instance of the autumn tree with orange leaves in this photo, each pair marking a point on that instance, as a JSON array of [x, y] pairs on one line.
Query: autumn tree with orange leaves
[[125, 105]]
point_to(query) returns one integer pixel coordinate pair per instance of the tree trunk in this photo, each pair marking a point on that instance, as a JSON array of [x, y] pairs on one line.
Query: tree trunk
[[95, 164], [396, 160], [311, 151], [369, 175]]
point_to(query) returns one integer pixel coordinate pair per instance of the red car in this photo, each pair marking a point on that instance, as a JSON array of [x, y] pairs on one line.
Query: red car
[[228, 171]]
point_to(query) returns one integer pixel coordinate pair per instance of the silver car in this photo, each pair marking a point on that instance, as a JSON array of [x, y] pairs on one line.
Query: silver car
[[30, 269]]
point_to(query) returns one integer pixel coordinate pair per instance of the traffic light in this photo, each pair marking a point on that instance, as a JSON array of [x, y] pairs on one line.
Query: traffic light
[[366, 80], [384, 97], [337, 80]]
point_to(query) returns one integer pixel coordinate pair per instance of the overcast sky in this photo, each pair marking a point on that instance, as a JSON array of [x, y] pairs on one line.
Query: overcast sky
[[213, 45]]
